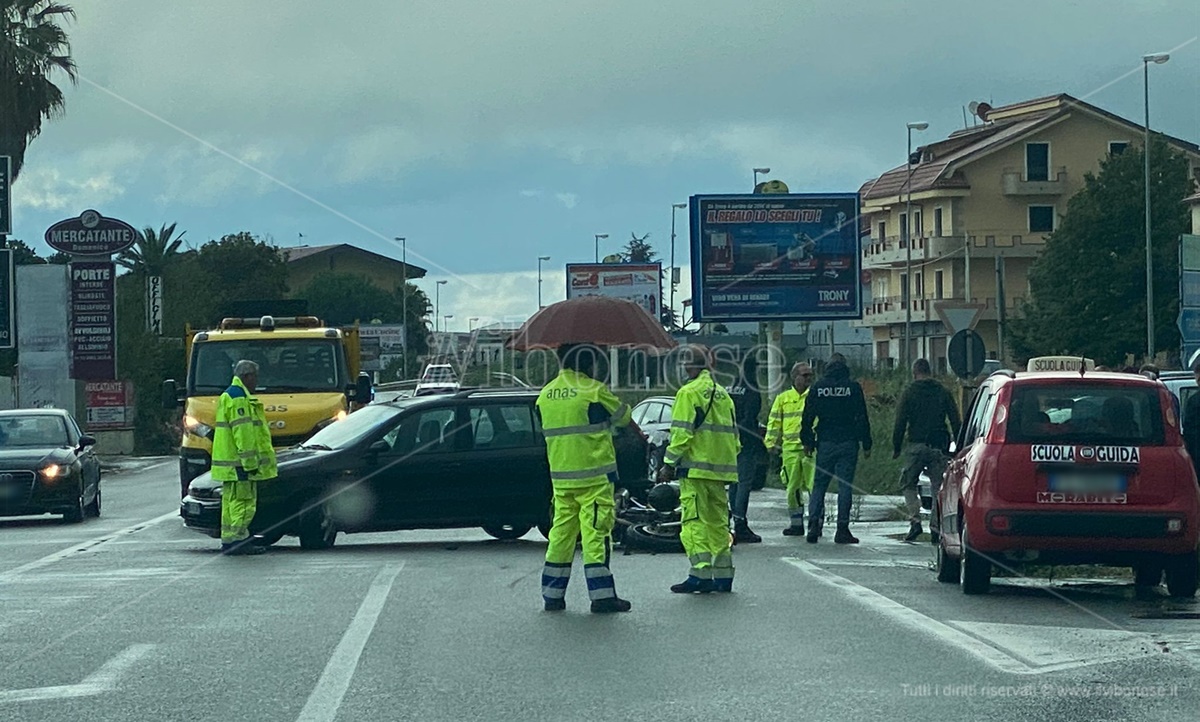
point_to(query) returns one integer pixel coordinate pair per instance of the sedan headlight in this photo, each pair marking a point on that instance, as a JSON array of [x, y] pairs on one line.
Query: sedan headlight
[[196, 428], [52, 471]]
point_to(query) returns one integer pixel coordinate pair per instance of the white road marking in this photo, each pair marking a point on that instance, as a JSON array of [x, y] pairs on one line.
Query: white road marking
[[83, 546], [326, 697], [105, 679], [914, 619]]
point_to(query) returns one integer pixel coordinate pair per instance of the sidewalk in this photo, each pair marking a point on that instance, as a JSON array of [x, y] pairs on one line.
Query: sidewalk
[[771, 505]]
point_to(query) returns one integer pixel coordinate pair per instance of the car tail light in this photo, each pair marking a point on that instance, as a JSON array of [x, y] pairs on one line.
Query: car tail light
[[1174, 526], [998, 522]]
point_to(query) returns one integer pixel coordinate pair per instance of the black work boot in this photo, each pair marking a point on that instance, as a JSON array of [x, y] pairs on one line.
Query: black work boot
[[814, 531], [914, 531], [742, 533], [555, 605], [242, 549], [610, 605], [843, 535], [794, 530], [693, 585]]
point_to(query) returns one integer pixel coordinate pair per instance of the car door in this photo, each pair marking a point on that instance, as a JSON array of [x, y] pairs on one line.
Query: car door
[[958, 470], [89, 463], [411, 476], [506, 476]]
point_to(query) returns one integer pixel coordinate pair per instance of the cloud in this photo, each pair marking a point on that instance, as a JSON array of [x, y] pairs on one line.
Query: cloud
[[88, 179], [567, 199], [530, 193]]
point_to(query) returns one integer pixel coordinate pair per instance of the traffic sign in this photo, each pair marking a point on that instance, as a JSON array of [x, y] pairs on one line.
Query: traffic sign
[[1189, 252], [1189, 325], [5, 195], [957, 315], [966, 353]]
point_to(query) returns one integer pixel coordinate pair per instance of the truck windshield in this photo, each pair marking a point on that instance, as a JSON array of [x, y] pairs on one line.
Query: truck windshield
[[285, 365]]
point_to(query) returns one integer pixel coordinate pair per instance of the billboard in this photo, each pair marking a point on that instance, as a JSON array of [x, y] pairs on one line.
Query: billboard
[[637, 282], [381, 344], [109, 405], [779, 257], [93, 320]]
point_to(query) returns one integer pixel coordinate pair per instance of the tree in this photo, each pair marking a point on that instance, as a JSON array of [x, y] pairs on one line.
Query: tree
[[637, 250], [1088, 290], [343, 298], [152, 252], [33, 48], [243, 268]]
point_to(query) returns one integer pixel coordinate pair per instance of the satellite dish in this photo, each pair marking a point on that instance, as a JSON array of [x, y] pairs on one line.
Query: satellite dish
[[972, 107], [982, 110]]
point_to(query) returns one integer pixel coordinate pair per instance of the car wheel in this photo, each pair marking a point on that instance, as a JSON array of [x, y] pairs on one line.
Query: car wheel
[[76, 513], [1149, 574], [976, 577], [1182, 573], [317, 530], [508, 531], [653, 538], [93, 509]]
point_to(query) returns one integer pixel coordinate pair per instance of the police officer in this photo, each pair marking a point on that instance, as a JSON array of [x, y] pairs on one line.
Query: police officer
[[783, 439], [838, 411], [923, 410], [577, 414], [703, 453], [242, 456], [747, 404]]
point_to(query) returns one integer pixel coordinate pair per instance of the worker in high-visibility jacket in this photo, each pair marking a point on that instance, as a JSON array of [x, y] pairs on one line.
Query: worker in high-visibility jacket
[[242, 456], [783, 440], [702, 454], [578, 414]]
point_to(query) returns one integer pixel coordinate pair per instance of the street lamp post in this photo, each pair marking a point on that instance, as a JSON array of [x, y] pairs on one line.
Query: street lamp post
[[758, 172], [404, 302], [437, 302], [540, 259], [446, 322], [907, 239], [598, 237], [1158, 59], [471, 324], [674, 270]]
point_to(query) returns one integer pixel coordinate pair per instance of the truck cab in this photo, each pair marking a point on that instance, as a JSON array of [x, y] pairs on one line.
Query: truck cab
[[308, 379]]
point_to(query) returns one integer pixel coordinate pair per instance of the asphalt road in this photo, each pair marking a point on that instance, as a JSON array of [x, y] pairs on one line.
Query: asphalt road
[[133, 617]]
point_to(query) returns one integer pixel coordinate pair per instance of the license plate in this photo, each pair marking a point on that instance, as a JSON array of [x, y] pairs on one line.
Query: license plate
[[193, 508], [1069, 482]]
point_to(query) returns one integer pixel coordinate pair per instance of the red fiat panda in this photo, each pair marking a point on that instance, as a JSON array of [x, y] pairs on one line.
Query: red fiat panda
[[1070, 468]]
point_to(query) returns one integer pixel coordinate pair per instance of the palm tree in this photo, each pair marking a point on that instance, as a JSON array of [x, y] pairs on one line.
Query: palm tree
[[33, 45], [153, 251]]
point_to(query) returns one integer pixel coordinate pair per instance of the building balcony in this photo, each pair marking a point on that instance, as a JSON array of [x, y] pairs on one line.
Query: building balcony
[[890, 310], [893, 251], [1015, 185]]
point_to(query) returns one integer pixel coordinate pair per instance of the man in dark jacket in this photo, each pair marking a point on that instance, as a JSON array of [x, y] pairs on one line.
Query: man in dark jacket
[[837, 408], [747, 404], [924, 408], [1191, 423]]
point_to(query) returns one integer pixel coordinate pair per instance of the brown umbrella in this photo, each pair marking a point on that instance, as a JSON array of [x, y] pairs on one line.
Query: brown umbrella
[[591, 320]]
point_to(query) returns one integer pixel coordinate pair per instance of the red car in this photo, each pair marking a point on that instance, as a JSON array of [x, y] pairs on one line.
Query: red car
[[1070, 468]]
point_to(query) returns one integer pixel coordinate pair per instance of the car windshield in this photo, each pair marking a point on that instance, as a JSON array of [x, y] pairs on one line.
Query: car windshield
[[285, 365], [33, 431], [354, 427], [1086, 413]]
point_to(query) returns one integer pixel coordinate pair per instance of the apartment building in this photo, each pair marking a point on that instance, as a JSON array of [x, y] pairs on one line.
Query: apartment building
[[983, 202]]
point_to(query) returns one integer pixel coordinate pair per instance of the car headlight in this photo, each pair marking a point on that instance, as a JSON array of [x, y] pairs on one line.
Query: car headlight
[[332, 419], [52, 471], [196, 428]]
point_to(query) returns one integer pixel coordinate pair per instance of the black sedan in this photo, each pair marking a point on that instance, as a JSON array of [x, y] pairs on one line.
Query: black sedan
[[474, 458], [47, 465]]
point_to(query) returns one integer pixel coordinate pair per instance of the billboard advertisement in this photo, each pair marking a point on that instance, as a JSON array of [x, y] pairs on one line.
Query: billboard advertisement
[[763, 257], [93, 320], [637, 282], [109, 405], [381, 344]]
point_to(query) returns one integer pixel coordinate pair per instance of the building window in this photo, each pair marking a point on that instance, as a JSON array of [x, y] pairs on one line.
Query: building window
[[918, 224], [903, 226], [1041, 219], [903, 288], [919, 285], [1117, 147], [937, 222], [939, 284], [882, 231], [1037, 161]]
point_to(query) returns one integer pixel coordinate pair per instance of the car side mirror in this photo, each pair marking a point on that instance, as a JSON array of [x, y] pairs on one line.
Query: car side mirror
[[86, 441], [362, 389], [378, 447], [170, 395]]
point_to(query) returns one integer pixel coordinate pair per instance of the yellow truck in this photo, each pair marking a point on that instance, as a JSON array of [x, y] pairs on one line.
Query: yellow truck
[[308, 378]]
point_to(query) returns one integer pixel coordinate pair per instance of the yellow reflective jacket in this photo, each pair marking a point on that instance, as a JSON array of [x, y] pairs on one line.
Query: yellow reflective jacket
[[577, 414], [704, 436], [783, 425], [241, 438]]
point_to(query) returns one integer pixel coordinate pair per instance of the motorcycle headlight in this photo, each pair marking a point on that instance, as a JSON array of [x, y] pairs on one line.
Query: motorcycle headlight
[[196, 428]]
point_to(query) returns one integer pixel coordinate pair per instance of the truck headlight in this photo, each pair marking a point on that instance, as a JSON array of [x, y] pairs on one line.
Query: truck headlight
[[196, 428]]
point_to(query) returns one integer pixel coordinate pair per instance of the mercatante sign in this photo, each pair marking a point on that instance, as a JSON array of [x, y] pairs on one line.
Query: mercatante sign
[[91, 234]]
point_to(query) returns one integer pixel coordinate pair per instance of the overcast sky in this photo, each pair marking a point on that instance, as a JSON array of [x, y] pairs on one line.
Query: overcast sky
[[489, 133]]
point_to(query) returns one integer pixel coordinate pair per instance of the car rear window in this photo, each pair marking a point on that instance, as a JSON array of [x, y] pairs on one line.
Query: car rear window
[[1085, 413]]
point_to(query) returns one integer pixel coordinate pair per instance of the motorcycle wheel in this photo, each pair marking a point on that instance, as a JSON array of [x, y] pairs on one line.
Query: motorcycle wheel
[[651, 538]]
